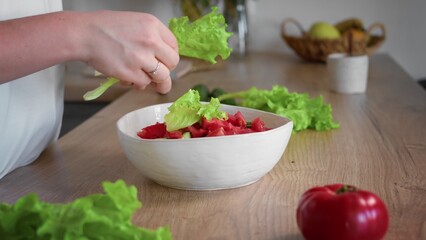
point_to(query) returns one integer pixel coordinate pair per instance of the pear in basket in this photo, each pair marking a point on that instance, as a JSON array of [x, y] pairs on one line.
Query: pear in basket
[[323, 30]]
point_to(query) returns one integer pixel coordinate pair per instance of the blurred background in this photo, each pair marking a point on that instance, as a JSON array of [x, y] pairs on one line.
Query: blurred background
[[405, 23]]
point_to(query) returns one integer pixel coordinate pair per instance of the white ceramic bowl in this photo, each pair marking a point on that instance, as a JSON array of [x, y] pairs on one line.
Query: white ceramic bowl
[[204, 163]]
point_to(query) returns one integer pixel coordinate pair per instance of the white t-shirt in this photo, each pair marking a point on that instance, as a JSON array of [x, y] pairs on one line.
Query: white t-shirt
[[30, 107]]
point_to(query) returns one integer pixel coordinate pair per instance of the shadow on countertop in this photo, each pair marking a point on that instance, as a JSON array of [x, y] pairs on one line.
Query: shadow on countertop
[[422, 83], [76, 113]]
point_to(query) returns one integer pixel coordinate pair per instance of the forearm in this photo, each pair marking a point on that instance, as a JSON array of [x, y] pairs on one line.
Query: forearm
[[34, 43], [124, 45]]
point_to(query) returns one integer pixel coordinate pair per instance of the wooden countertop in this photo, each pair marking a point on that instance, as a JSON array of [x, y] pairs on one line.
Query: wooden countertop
[[380, 146]]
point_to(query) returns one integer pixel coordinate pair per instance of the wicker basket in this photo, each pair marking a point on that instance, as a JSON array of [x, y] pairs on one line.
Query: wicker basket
[[317, 50]]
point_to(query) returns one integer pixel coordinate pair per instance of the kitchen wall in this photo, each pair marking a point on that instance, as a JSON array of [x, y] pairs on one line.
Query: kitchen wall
[[405, 22]]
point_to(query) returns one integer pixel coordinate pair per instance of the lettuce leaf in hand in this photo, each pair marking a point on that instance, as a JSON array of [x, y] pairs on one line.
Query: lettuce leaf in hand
[[305, 112], [205, 38], [95, 93], [97, 216], [188, 110]]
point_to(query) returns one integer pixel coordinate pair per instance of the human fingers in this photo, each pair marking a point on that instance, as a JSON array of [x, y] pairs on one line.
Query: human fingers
[[169, 38], [164, 86], [136, 78], [167, 56], [161, 79], [160, 73], [141, 80], [167, 51]]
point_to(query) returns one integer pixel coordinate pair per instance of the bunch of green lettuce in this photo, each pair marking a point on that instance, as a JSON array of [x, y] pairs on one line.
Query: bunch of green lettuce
[[188, 110], [305, 112], [205, 38], [97, 216]]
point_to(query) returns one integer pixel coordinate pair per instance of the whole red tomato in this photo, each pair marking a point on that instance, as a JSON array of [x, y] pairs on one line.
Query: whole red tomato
[[341, 212]]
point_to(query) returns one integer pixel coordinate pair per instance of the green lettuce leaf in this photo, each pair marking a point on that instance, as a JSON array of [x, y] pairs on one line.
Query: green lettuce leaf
[[205, 38], [305, 112], [97, 216], [184, 111], [212, 110], [97, 92], [188, 110]]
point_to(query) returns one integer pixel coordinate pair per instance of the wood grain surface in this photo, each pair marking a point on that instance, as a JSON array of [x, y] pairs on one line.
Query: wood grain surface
[[380, 146]]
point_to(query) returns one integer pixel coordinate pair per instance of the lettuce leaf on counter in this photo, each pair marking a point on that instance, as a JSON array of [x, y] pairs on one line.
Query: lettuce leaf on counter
[[97, 216], [188, 110], [205, 38], [305, 112]]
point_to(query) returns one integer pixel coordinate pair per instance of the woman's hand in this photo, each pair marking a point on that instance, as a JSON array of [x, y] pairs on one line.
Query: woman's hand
[[134, 47]]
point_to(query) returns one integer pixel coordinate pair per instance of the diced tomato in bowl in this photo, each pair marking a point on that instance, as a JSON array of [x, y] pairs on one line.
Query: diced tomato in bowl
[[235, 124], [231, 156], [158, 130]]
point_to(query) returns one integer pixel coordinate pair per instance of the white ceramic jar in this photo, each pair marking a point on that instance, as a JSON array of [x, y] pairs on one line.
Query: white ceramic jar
[[347, 74]]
